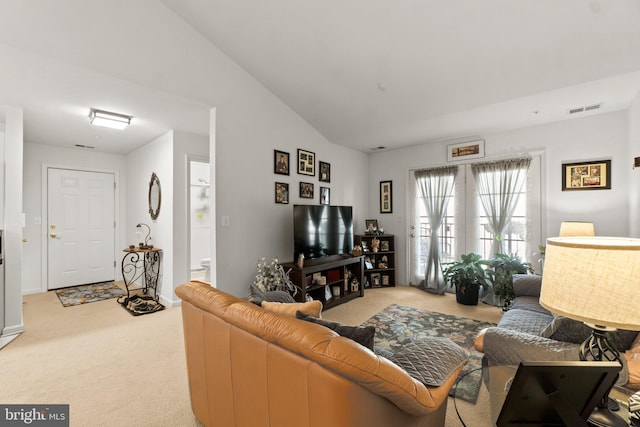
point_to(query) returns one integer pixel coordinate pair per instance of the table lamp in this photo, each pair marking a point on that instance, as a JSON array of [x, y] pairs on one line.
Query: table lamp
[[595, 280], [576, 228]]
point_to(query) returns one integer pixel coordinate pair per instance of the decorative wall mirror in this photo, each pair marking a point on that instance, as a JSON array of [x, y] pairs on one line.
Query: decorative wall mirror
[[155, 196]]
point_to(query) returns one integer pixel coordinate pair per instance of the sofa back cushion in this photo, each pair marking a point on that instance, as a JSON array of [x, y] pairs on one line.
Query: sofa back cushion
[[574, 331], [527, 285]]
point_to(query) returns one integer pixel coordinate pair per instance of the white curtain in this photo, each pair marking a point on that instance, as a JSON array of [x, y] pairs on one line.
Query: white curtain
[[499, 185], [436, 186]]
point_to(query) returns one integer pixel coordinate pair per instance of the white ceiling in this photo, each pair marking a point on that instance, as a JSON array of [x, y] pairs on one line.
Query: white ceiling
[[365, 73]]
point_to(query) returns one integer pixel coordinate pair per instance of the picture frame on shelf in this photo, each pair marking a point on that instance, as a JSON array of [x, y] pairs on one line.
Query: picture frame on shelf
[[306, 162], [280, 162], [386, 200], [282, 193], [324, 195], [384, 245], [385, 280], [465, 150], [368, 264], [371, 226], [376, 280], [325, 171], [306, 190], [595, 175]]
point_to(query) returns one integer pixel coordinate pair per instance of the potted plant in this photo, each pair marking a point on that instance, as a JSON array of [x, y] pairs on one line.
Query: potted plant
[[467, 275], [270, 277], [502, 267]]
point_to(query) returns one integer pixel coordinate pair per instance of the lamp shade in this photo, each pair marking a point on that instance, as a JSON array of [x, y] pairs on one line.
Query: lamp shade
[[593, 279], [576, 228]]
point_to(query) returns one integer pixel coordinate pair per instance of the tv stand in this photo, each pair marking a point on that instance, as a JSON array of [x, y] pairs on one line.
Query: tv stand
[[343, 280]]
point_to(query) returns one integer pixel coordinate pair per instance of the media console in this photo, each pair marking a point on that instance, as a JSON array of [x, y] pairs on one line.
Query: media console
[[333, 280]]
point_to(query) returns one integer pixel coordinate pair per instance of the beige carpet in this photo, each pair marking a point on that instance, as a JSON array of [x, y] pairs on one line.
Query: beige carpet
[[117, 369]]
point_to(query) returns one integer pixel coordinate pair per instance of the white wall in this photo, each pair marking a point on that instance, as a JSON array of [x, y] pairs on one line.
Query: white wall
[[185, 145], [37, 155], [199, 213], [12, 224], [245, 190], [156, 156], [634, 179], [593, 137]]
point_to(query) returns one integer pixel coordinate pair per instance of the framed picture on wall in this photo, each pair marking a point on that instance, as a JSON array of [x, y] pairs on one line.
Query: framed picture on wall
[[325, 172], [324, 195], [306, 162], [306, 190], [280, 162], [586, 175], [282, 192], [465, 150], [386, 201]]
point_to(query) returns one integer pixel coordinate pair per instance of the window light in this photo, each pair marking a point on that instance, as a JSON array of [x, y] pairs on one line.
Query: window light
[[109, 119]]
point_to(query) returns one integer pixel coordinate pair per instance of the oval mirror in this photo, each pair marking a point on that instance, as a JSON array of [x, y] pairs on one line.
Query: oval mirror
[[155, 196]]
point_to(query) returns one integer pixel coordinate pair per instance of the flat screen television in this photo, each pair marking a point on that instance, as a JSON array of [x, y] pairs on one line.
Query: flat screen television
[[322, 230], [545, 394]]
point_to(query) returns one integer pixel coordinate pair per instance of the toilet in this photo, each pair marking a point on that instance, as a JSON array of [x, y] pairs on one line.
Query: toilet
[[206, 264]]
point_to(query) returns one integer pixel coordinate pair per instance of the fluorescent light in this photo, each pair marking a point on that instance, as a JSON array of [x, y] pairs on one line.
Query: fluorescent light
[[109, 119]]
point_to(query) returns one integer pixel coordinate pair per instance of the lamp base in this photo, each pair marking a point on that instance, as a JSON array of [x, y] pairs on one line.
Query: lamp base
[[603, 417]]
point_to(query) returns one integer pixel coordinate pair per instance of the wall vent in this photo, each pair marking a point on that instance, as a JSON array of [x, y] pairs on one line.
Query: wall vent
[[585, 108]]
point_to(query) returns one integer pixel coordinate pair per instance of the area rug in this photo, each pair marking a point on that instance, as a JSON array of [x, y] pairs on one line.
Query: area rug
[[84, 294], [398, 325]]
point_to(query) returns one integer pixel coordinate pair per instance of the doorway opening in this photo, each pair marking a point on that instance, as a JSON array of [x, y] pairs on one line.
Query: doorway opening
[[200, 220]]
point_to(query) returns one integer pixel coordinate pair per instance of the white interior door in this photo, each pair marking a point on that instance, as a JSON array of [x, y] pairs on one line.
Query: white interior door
[[80, 227]]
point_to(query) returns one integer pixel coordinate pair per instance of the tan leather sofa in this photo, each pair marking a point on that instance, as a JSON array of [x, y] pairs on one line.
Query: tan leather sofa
[[248, 367]]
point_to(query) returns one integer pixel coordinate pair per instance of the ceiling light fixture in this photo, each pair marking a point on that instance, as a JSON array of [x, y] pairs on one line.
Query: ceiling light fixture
[[109, 119]]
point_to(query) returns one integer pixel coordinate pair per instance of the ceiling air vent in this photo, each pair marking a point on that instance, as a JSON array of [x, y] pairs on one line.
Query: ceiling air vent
[[585, 108]]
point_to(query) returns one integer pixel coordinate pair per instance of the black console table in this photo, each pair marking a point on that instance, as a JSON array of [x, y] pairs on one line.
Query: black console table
[[141, 263]]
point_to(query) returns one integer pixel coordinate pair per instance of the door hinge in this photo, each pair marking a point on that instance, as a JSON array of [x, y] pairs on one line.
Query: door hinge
[[114, 263]]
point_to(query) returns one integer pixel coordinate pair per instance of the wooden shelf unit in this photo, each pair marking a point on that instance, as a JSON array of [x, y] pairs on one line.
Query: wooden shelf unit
[[335, 268], [383, 262]]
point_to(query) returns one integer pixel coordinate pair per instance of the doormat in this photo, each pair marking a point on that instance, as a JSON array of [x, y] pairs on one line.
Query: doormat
[[398, 325], [84, 294], [137, 305]]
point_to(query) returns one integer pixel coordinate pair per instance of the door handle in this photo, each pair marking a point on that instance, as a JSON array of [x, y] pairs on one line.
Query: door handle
[[53, 235]]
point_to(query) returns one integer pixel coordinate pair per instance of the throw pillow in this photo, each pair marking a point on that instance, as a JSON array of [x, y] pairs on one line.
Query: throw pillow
[[567, 330], [278, 296], [312, 308], [363, 336], [574, 331], [431, 360]]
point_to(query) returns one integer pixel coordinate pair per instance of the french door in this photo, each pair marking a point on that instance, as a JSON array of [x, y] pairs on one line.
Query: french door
[[464, 227]]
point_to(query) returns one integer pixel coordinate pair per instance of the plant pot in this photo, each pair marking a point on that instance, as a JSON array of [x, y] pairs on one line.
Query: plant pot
[[467, 295]]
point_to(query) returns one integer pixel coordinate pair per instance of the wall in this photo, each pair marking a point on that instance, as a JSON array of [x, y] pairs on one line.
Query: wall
[[156, 156], [634, 180], [592, 137], [35, 231], [185, 146], [13, 219], [245, 192]]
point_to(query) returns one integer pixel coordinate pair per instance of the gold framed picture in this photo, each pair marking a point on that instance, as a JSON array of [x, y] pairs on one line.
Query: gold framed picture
[[586, 175]]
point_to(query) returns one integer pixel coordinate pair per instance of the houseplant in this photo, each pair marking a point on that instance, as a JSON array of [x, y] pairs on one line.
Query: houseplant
[[270, 277], [467, 275], [502, 267]]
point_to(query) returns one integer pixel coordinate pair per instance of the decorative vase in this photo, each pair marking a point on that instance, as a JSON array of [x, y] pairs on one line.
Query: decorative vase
[[301, 260]]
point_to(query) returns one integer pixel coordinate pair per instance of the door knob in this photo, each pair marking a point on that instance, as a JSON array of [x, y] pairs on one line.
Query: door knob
[[53, 235]]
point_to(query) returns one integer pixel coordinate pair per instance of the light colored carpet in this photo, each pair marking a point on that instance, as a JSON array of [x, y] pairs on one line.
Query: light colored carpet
[[117, 369]]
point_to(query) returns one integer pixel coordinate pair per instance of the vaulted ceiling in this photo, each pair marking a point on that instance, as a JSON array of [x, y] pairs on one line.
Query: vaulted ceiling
[[364, 73]]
